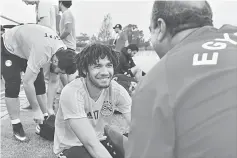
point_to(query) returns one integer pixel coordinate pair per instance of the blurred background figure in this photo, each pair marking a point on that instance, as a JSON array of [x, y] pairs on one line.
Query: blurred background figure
[[121, 39]]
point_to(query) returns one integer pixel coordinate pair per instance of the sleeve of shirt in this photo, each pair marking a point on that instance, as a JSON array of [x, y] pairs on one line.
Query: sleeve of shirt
[[152, 127], [123, 100], [68, 19], [72, 103], [38, 58]]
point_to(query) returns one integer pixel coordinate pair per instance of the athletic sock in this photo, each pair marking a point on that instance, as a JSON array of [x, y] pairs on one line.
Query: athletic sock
[[46, 114], [15, 121]]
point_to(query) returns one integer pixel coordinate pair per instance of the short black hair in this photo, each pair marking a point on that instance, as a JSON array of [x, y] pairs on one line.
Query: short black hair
[[182, 15], [92, 53], [133, 47], [67, 3], [66, 60]]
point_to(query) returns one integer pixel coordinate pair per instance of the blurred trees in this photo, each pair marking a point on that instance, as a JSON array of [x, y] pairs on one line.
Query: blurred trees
[[82, 40], [105, 33], [135, 35]]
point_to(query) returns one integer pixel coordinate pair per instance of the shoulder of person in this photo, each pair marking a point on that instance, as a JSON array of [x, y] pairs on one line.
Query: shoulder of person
[[116, 87], [122, 54], [67, 12], [73, 87]]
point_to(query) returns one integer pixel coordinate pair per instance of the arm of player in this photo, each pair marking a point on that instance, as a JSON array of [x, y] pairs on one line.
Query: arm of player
[[126, 40], [72, 106], [67, 30], [51, 91], [86, 134], [28, 83], [127, 117], [68, 25]]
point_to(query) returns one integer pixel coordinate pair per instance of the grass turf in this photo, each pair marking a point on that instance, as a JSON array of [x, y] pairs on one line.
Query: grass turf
[[36, 147]]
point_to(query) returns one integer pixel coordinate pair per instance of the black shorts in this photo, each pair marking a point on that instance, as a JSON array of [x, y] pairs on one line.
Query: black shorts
[[81, 151], [11, 68]]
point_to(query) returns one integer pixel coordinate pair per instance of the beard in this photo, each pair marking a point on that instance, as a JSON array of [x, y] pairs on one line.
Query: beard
[[98, 84]]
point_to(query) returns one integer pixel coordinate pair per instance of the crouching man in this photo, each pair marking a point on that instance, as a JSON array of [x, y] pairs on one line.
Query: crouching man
[[87, 104], [28, 48], [126, 64]]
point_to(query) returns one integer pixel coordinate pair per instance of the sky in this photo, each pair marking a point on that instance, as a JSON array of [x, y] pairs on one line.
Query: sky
[[89, 14]]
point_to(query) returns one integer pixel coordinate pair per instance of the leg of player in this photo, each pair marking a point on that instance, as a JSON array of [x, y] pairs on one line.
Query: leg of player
[[11, 68]]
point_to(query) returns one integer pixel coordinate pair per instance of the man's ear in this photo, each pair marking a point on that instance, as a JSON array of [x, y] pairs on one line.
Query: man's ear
[[162, 29], [129, 50]]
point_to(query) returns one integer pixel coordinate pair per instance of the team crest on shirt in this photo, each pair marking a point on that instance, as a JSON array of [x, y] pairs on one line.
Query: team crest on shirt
[[8, 63], [107, 109]]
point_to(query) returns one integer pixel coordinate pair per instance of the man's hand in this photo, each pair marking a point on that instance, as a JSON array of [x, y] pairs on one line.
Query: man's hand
[[87, 135], [38, 116], [51, 111], [67, 30]]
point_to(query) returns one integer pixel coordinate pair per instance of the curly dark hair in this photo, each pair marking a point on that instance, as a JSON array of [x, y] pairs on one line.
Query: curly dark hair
[[66, 60], [92, 53], [182, 15]]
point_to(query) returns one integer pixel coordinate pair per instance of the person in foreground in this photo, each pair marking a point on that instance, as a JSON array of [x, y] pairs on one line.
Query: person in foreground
[[28, 48], [186, 105], [87, 104]]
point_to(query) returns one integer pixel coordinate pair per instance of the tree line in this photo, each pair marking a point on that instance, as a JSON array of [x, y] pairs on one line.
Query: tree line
[[134, 34]]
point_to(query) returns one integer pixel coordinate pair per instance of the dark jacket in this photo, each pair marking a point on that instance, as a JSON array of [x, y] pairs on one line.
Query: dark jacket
[[125, 62]]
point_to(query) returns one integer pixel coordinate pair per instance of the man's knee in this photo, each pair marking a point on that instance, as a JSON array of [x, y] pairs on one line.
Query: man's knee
[[12, 89]]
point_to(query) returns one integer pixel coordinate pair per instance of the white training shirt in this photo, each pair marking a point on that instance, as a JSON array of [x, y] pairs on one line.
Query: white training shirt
[[33, 42], [75, 102]]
